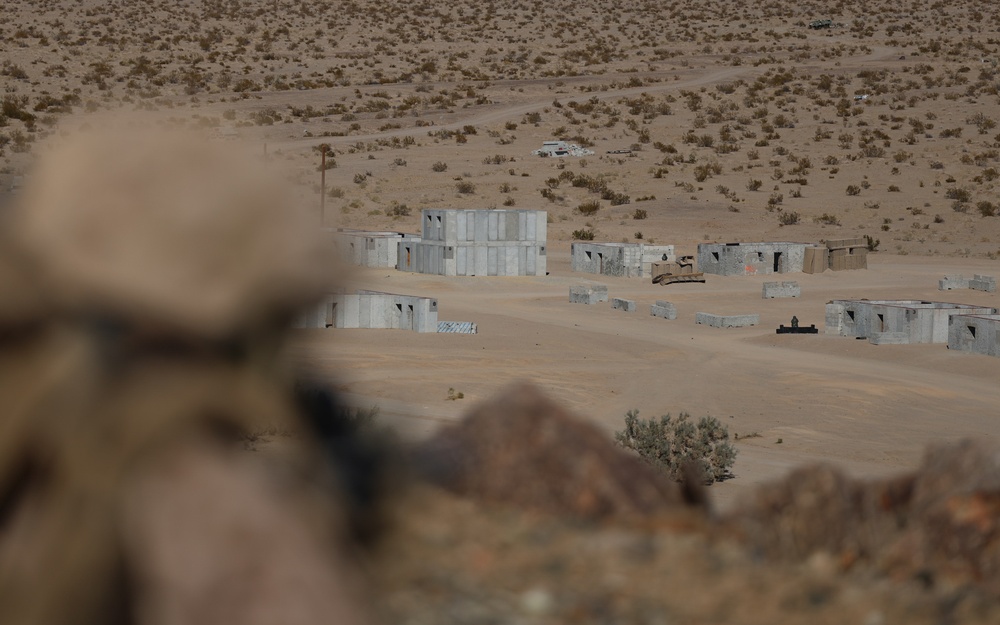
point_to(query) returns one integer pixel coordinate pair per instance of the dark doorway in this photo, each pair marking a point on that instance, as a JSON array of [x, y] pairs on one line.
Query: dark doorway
[[881, 322], [777, 262], [331, 315]]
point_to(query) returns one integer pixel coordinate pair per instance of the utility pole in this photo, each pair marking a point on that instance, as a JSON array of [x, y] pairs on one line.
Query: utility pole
[[322, 185]]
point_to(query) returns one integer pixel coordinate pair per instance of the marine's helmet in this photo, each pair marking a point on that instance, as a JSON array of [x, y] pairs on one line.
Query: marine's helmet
[[171, 231]]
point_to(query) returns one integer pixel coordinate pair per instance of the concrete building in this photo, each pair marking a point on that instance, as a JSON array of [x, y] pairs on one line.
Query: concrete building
[[370, 249], [372, 309], [896, 321], [623, 260], [748, 259], [458, 242], [979, 334]]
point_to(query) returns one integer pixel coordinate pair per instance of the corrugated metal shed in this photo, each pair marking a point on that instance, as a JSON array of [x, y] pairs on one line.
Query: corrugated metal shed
[[457, 327]]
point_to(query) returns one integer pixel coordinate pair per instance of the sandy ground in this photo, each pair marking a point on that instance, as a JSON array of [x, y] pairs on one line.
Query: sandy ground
[[871, 409]]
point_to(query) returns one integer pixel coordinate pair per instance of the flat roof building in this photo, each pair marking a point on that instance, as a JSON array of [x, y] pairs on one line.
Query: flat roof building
[[624, 260], [468, 242], [748, 259], [372, 309], [979, 334], [370, 248], [897, 321]]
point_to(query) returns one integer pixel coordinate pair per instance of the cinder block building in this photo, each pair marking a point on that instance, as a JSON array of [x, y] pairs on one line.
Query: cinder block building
[[370, 249], [372, 309], [623, 260], [458, 242], [748, 259], [979, 334], [896, 321]]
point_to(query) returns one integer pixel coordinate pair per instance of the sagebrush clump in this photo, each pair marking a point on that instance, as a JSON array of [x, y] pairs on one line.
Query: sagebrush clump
[[670, 444]]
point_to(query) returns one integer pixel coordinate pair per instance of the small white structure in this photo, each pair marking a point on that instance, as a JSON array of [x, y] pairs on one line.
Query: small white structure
[[370, 248], [372, 309], [561, 148], [624, 260]]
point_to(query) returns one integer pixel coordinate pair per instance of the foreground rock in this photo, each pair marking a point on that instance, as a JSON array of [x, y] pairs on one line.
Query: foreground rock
[[525, 450]]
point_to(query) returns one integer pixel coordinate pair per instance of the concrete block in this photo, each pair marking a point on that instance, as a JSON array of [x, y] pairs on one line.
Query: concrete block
[[627, 305], [662, 309], [950, 283], [588, 294], [983, 283], [889, 338], [781, 289], [726, 321]]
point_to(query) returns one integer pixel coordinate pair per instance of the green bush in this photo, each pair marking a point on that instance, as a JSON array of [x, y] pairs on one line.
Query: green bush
[[670, 444], [584, 235], [589, 208]]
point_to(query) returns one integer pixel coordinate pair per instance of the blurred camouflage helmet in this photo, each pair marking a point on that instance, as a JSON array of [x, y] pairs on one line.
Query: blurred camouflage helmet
[[169, 230], [20, 301]]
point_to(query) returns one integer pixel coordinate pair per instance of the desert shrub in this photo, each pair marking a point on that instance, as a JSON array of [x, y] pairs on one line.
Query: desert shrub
[[789, 218], [986, 208], [958, 193], [397, 210], [639, 213], [894, 188], [853, 189], [439, 166], [872, 243], [828, 219], [585, 234], [465, 187], [589, 208], [670, 444], [754, 185]]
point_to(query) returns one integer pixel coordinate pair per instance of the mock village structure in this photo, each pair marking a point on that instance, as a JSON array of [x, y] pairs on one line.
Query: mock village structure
[[457, 242], [623, 260]]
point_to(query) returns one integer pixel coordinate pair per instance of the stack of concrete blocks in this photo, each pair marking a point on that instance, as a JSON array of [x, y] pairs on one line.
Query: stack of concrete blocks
[[816, 259], [847, 254], [622, 260], [781, 289], [370, 249], [372, 309], [884, 321], [983, 283], [726, 321], [588, 294], [976, 283], [478, 243], [952, 283], [666, 310], [748, 259], [627, 305], [979, 334]]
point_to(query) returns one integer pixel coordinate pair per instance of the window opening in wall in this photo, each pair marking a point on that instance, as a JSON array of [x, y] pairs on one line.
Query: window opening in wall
[[850, 315], [972, 331], [881, 322], [589, 256], [760, 257], [715, 256]]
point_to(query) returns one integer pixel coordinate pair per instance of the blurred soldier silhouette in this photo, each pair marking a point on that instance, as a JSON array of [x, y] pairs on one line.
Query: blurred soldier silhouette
[[145, 296]]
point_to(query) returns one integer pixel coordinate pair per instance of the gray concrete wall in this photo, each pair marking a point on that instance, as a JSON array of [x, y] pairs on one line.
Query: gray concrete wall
[[372, 309], [976, 334], [623, 260], [627, 305], [983, 283], [780, 289], [588, 294], [726, 321], [921, 321], [746, 259], [662, 309]]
